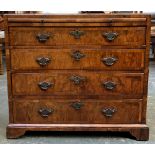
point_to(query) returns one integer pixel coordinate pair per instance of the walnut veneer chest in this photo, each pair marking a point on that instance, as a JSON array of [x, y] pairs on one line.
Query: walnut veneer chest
[[84, 72]]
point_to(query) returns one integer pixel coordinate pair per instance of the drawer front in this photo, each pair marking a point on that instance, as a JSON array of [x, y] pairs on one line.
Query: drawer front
[[76, 111], [128, 36], [109, 84], [107, 59]]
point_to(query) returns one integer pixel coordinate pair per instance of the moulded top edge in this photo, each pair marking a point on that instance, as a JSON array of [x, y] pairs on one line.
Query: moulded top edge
[[80, 15], [76, 20]]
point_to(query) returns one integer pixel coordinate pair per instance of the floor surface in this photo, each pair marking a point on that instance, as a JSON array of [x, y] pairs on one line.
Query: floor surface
[[77, 137]]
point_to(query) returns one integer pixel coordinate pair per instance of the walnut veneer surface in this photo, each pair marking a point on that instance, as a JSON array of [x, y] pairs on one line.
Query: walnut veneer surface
[[84, 72]]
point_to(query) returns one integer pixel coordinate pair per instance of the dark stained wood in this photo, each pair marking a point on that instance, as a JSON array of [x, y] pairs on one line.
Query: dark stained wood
[[140, 134], [121, 109], [14, 133]]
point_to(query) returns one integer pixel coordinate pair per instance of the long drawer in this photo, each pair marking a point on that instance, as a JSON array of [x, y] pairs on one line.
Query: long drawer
[[76, 111], [110, 84], [40, 36], [106, 59]]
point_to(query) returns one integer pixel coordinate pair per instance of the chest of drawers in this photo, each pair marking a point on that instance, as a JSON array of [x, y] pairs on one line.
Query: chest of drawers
[[84, 72]]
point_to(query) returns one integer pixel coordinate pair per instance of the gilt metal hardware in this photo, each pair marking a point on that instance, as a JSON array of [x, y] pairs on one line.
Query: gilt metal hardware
[[109, 61], [110, 36], [109, 85], [45, 85], [77, 55], [108, 112], [77, 34], [77, 79], [77, 105], [43, 37], [45, 112], [43, 61]]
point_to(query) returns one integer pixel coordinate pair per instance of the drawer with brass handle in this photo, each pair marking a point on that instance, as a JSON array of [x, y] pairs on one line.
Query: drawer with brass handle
[[84, 83], [45, 85], [76, 111], [43, 37], [38, 36], [77, 80], [43, 61], [45, 112], [110, 36], [102, 59]]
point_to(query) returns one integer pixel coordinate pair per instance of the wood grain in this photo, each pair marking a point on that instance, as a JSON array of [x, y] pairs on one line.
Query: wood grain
[[126, 83], [128, 75], [128, 59], [90, 113], [127, 36]]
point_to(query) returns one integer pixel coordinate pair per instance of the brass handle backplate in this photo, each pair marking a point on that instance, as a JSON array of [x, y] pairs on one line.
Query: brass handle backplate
[[109, 85], [109, 61], [108, 112], [77, 34], [45, 85], [77, 79], [77, 55], [45, 112], [43, 37], [110, 36], [43, 61], [77, 105]]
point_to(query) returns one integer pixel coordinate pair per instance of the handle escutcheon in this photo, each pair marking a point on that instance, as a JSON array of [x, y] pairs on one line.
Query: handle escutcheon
[[77, 34], [110, 36], [109, 61], [77, 105], [45, 112], [43, 37], [109, 85], [77, 55], [43, 61], [108, 112], [45, 85], [77, 79]]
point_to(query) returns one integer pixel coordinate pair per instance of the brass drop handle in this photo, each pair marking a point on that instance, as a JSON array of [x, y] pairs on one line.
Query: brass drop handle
[[108, 112], [45, 85], [45, 112], [43, 37], [77, 105], [109, 61], [43, 61], [77, 55], [110, 36], [77, 33], [77, 79], [109, 85]]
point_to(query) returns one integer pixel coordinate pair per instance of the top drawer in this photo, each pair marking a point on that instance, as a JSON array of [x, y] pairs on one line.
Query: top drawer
[[46, 36]]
